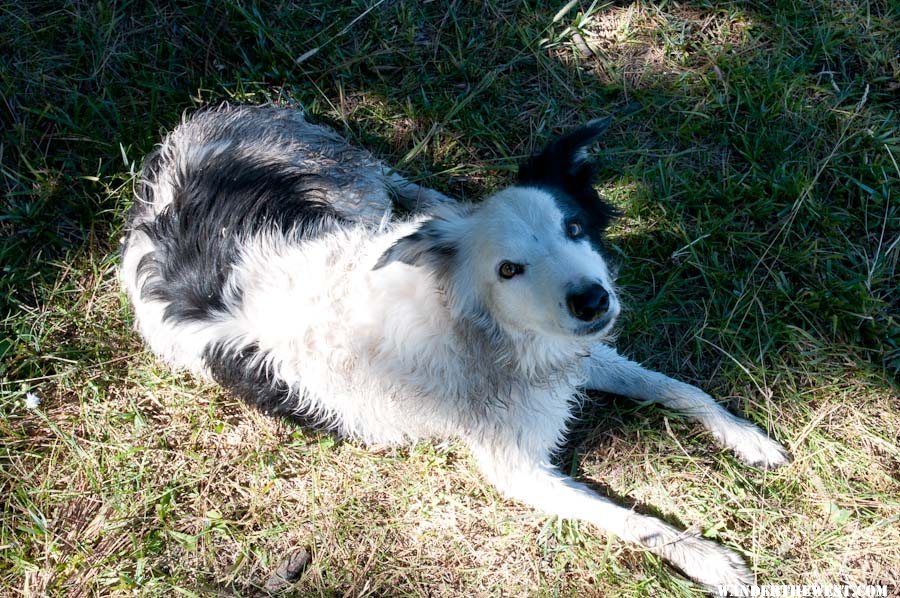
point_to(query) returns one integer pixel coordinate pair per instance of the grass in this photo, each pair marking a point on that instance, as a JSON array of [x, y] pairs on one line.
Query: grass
[[758, 254]]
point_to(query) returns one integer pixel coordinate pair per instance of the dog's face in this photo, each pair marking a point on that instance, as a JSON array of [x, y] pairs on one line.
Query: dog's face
[[530, 254], [533, 256]]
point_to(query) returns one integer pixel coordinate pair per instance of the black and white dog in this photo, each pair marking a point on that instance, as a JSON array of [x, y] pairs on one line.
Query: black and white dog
[[261, 253]]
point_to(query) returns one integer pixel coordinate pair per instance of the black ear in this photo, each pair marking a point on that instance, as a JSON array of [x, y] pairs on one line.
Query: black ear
[[564, 163], [431, 244]]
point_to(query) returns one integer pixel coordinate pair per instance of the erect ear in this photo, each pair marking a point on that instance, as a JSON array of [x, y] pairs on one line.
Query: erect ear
[[564, 162], [434, 244]]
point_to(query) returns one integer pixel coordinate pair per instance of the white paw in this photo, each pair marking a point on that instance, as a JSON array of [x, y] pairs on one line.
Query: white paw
[[752, 445], [710, 564], [704, 561]]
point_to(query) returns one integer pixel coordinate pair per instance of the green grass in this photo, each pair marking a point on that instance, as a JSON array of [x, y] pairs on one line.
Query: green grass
[[757, 252]]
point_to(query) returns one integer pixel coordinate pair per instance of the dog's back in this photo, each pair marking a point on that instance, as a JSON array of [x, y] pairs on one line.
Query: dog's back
[[261, 148]]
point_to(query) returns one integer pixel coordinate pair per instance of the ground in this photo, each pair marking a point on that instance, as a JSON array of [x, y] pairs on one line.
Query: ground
[[754, 159]]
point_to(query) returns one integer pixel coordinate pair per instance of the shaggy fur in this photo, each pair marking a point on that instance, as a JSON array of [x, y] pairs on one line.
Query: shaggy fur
[[261, 253]]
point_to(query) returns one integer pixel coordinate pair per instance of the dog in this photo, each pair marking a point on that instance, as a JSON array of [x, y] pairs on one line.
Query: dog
[[265, 253]]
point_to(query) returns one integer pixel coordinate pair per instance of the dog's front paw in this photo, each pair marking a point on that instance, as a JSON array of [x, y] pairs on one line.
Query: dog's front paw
[[710, 564], [752, 446]]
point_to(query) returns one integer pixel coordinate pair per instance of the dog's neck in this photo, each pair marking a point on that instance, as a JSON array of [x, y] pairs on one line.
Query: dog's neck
[[535, 358]]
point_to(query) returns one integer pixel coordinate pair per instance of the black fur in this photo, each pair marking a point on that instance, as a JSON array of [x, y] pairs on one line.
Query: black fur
[[217, 201], [429, 244], [244, 373], [563, 169]]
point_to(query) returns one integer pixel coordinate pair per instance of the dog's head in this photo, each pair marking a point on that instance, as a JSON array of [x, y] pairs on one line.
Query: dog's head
[[529, 255]]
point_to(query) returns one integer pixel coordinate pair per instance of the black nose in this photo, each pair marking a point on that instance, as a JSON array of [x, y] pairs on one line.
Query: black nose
[[588, 303]]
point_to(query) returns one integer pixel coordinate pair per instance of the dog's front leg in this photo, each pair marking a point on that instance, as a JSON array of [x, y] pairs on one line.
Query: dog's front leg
[[535, 482], [608, 371]]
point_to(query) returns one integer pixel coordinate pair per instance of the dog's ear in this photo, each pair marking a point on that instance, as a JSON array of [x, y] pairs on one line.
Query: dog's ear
[[432, 244], [564, 162]]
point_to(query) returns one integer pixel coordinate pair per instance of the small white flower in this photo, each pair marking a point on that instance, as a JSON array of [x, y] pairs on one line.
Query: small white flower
[[32, 401]]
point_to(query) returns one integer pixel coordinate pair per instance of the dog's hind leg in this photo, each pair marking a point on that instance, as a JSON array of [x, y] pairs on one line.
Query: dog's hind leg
[[535, 482], [610, 372]]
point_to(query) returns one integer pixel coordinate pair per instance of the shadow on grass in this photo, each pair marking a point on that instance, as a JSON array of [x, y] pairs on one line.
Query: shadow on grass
[[757, 195]]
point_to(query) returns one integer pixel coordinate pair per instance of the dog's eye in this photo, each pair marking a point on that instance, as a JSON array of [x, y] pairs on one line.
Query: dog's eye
[[509, 269], [574, 230]]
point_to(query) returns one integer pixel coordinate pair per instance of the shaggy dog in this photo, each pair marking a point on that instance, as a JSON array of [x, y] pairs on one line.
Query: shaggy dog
[[261, 253]]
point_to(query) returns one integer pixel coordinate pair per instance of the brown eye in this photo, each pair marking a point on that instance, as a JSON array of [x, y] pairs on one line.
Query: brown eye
[[574, 230], [509, 269]]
